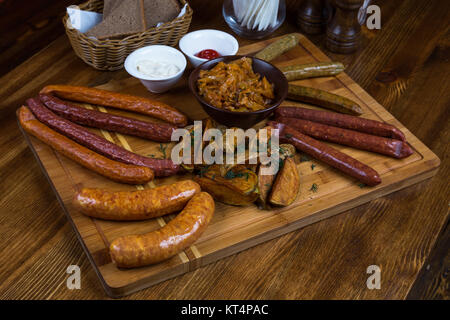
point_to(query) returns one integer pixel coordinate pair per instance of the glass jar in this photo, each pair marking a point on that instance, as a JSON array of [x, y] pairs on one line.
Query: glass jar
[[254, 19]]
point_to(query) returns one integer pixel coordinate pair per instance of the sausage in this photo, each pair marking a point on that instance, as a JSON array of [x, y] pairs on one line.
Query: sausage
[[278, 47], [153, 247], [323, 99], [161, 167], [327, 154], [374, 127], [312, 70], [135, 205], [113, 170], [161, 132], [123, 101], [390, 147]]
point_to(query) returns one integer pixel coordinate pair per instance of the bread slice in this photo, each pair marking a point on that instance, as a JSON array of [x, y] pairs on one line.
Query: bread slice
[[109, 6], [156, 11], [125, 19]]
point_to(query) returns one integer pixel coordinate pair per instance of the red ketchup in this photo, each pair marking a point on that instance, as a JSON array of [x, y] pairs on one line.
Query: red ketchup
[[208, 54]]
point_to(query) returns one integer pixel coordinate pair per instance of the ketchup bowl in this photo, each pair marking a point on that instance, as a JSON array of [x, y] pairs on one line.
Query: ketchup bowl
[[206, 43]]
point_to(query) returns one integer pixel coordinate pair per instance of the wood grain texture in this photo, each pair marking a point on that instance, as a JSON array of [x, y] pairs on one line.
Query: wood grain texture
[[324, 260]]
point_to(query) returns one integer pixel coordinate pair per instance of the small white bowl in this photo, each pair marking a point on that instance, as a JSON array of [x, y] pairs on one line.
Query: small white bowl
[[194, 42], [156, 53]]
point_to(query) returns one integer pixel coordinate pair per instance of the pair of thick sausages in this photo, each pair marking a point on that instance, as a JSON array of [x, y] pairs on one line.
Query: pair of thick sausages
[[181, 232], [161, 167], [122, 101], [114, 170], [390, 147], [327, 154]]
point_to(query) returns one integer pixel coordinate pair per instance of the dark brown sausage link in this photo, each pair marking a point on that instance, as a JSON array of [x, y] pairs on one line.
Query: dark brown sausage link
[[374, 127], [327, 154], [390, 147], [114, 170], [160, 132], [161, 167], [123, 101]]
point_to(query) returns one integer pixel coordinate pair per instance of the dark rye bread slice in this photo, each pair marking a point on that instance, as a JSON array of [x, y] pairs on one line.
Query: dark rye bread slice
[[125, 19], [109, 6], [156, 11]]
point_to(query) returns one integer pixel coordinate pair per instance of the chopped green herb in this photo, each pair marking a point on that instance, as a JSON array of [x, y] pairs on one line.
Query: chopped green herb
[[267, 185], [152, 156], [288, 135], [163, 148], [231, 175], [313, 166], [362, 185], [314, 188]]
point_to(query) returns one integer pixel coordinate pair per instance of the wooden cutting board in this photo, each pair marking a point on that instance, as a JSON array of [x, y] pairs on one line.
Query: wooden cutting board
[[232, 229]]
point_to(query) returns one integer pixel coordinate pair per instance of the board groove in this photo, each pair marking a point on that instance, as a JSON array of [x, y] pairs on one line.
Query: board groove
[[232, 229]]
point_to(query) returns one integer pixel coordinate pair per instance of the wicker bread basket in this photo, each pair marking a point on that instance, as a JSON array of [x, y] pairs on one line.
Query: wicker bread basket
[[109, 54]]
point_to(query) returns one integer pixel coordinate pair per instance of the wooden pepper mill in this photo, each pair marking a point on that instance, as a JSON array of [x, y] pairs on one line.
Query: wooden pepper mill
[[343, 29], [312, 16]]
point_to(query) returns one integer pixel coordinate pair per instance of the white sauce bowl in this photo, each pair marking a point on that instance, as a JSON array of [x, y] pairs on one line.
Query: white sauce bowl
[[194, 42], [156, 53]]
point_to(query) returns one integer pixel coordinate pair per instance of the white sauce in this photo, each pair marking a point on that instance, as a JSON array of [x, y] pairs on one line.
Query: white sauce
[[157, 69]]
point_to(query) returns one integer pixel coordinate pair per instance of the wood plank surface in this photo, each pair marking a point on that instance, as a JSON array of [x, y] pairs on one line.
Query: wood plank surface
[[403, 232], [232, 229]]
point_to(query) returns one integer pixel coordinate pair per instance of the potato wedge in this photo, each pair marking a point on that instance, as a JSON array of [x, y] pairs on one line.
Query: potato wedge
[[225, 193], [286, 185], [265, 183], [236, 186]]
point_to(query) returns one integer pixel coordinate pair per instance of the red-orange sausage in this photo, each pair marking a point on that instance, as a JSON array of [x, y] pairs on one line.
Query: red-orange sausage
[[111, 169], [156, 246], [123, 101], [135, 205]]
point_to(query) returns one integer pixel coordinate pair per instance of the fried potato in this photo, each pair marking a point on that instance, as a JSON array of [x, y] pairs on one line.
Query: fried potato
[[237, 186], [265, 183], [286, 185]]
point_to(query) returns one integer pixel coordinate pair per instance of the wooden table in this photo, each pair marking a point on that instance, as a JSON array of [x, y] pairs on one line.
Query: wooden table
[[404, 66]]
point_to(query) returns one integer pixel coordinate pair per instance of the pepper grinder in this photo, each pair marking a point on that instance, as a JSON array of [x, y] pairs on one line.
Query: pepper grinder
[[343, 29], [312, 16]]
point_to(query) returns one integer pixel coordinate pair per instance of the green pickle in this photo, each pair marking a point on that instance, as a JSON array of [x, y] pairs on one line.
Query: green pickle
[[323, 99], [277, 48], [312, 70]]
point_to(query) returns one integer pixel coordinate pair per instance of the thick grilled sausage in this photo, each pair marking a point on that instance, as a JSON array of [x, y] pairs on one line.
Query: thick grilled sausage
[[113, 170], [374, 127], [123, 101], [390, 147], [312, 70], [153, 247], [327, 154], [323, 99], [278, 47], [161, 167], [135, 205], [161, 132]]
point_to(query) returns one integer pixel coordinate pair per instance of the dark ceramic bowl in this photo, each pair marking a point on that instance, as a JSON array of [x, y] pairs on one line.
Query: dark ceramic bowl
[[242, 119]]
